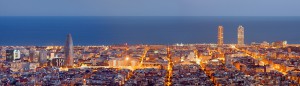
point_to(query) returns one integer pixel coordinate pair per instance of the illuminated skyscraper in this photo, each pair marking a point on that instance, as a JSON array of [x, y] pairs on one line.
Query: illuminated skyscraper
[[17, 54], [220, 35], [240, 35], [69, 52], [12, 55]]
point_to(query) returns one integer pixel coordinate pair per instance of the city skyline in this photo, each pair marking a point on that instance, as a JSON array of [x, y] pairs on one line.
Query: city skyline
[[149, 43], [220, 40], [165, 65]]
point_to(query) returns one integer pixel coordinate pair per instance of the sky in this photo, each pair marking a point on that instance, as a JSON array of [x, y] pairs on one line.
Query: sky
[[149, 7]]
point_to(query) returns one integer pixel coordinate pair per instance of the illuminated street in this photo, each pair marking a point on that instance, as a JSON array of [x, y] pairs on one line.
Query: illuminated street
[[153, 65], [149, 43]]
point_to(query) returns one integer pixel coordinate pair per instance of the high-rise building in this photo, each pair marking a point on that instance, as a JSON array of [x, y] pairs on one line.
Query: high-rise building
[[12, 55], [220, 35], [9, 55], [69, 52], [17, 54], [33, 55], [240, 35], [43, 56]]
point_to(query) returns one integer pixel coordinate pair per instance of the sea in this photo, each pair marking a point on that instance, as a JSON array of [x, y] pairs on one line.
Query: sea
[[109, 30]]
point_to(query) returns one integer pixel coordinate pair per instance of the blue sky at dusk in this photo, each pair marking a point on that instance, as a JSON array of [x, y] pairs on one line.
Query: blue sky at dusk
[[149, 7]]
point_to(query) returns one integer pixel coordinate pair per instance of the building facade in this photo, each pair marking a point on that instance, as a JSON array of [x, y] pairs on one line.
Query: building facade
[[220, 35], [57, 62], [240, 36], [12, 55], [43, 57], [69, 52]]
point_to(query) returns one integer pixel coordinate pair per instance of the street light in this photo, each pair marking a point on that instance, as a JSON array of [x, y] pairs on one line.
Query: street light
[[127, 58]]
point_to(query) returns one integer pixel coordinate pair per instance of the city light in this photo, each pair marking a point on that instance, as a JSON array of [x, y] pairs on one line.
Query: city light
[[149, 60], [216, 64], [198, 61]]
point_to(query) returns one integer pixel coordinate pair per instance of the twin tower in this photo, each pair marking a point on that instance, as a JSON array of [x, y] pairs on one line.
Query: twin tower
[[240, 36], [69, 50]]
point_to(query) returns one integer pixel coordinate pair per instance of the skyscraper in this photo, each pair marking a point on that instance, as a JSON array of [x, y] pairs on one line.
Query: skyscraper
[[17, 54], [43, 56], [33, 56], [12, 55], [240, 35], [220, 35], [69, 52]]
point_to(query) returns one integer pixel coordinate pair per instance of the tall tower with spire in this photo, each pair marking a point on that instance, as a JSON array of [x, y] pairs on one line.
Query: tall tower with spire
[[220, 36], [69, 51]]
